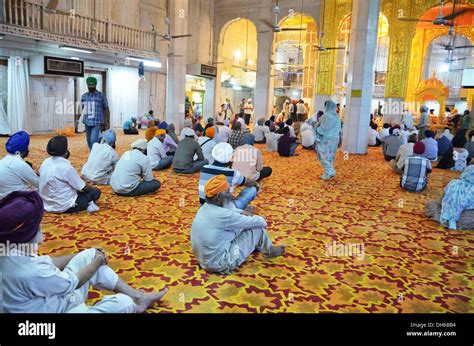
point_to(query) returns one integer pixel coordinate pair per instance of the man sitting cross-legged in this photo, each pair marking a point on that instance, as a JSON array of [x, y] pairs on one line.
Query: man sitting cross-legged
[[222, 238], [222, 154], [47, 284]]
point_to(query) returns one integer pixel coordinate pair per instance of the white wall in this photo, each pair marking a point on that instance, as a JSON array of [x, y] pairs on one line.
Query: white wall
[[152, 94]]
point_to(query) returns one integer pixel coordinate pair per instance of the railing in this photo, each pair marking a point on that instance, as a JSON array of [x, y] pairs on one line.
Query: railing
[[33, 16]]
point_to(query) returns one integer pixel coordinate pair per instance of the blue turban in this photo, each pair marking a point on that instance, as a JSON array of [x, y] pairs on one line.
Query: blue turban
[[163, 125], [110, 137], [18, 142], [248, 138]]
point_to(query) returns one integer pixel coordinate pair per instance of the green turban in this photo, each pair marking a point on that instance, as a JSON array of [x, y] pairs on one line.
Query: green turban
[[91, 80]]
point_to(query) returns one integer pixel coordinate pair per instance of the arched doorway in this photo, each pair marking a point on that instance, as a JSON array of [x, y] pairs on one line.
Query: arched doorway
[[294, 61], [237, 61]]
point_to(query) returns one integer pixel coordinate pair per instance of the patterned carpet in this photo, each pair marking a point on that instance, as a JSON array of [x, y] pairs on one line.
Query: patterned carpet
[[410, 264]]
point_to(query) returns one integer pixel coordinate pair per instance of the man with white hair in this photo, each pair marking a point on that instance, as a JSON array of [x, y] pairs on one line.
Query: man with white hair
[[133, 174], [222, 154], [102, 160], [56, 284], [223, 238]]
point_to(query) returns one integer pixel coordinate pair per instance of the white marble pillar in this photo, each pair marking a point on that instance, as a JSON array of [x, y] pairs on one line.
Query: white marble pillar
[[318, 102], [363, 43], [263, 89], [209, 99], [176, 65]]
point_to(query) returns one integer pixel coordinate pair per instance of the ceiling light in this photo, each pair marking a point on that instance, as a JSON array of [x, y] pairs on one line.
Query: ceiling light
[[237, 54], [75, 58], [444, 67], [74, 49]]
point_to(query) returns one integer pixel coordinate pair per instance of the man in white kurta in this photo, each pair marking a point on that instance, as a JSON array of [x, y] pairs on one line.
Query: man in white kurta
[[156, 152], [102, 160], [222, 238]]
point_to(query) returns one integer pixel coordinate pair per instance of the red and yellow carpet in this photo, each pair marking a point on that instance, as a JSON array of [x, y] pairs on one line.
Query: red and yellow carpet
[[411, 264]]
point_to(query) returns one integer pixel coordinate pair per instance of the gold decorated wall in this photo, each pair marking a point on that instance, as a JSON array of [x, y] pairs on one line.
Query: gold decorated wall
[[408, 45]]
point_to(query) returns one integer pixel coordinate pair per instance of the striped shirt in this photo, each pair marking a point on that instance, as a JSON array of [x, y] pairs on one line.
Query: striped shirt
[[415, 174], [210, 171]]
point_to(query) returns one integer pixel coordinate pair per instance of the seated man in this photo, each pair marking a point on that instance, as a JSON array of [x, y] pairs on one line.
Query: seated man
[[16, 174], [308, 136], [406, 150], [60, 187], [235, 138], [431, 146], [156, 152], [133, 175], [416, 169], [286, 144], [373, 137], [222, 238], [248, 161], [102, 160], [169, 144], [391, 144], [130, 126], [207, 143], [384, 132], [223, 132], [272, 141], [150, 131], [56, 284], [222, 154], [183, 161], [260, 130], [289, 124], [469, 146], [444, 143]]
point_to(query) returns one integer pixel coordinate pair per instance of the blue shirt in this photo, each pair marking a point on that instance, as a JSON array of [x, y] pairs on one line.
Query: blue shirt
[[431, 148], [127, 125], [93, 108], [444, 145]]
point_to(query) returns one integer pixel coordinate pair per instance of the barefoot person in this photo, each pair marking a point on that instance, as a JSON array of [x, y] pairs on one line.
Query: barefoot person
[[221, 238], [56, 284]]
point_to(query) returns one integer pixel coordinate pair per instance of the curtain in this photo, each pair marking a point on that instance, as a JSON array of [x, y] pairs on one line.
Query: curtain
[[18, 104], [122, 86]]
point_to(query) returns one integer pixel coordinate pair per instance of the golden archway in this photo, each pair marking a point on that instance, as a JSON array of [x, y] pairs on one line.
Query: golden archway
[[433, 89]]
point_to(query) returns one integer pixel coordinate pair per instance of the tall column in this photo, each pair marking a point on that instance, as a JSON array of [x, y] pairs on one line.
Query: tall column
[[365, 17], [176, 65], [209, 100], [263, 90]]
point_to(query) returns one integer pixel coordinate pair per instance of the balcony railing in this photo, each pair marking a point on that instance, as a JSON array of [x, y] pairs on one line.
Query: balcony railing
[[33, 16]]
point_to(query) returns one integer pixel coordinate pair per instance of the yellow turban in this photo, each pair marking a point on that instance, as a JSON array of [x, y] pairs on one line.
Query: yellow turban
[[210, 132], [216, 185], [160, 132], [150, 133]]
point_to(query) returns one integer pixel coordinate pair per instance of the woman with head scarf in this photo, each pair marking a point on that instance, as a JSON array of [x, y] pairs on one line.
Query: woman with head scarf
[[327, 138], [171, 131], [458, 197], [56, 284]]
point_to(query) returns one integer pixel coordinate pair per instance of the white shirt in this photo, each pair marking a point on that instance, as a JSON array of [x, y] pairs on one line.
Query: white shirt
[[35, 285], [100, 164], [155, 151], [259, 132], [248, 108], [384, 133], [242, 123], [207, 144], [292, 131], [372, 137], [308, 137], [132, 167], [222, 134], [300, 108], [16, 175], [404, 152], [408, 120], [58, 184], [272, 141], [404, 134]]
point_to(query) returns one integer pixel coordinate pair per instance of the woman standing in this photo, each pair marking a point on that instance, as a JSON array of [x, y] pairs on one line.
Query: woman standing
[[327, 138]]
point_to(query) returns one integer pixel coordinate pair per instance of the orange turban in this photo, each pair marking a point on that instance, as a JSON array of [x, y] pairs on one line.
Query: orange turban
[[210, 132], [216, 185], [150, 133], [160, 132]]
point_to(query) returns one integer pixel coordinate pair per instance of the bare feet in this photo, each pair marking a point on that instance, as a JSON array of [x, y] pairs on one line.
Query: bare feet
[[148, 299], [275, 251]]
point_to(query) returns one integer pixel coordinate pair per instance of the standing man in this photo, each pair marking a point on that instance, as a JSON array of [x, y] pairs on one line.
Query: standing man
[[423, 123], [96, 115], [248, 111], [229, 111]]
